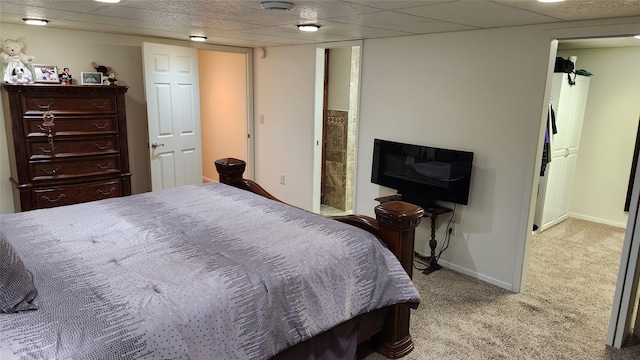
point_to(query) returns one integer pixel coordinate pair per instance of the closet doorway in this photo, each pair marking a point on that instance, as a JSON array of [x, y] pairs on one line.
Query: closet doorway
[[599, 189]]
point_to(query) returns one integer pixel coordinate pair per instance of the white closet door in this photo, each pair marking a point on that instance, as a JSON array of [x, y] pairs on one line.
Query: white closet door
[[555, 169], [569, 102]]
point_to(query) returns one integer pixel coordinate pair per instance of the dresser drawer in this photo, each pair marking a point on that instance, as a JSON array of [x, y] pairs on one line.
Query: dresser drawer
[[71, 194], [67, 147], [60, 104], [72, 125], [74, 167]]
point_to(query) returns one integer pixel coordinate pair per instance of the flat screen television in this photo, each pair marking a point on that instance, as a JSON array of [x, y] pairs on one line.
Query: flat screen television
[[422, 174]]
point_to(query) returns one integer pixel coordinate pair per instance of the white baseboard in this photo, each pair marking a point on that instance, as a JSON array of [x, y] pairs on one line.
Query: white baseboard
[[476, 275], [598, 220]]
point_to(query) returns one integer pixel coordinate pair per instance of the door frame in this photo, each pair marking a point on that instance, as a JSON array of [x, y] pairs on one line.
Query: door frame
[[318, 117], [622, 311]]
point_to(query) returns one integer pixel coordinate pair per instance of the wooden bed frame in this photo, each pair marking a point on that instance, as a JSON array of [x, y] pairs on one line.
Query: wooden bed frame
[[395, 225]]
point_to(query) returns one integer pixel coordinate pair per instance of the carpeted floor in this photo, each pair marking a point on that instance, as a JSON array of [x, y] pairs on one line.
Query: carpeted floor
[[563, 313]]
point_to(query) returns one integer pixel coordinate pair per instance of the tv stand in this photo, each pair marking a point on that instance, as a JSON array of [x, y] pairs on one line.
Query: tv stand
[[432, 212]]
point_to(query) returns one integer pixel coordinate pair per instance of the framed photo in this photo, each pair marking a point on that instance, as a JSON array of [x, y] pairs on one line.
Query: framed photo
[[91, 78], [45, 73]]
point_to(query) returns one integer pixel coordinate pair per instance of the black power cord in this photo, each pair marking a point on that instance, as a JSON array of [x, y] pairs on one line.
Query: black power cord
[[416, 258], [447, 236]]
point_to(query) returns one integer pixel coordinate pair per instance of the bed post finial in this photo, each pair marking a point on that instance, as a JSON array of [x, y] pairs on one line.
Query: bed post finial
[[397, 222], [230, 169]]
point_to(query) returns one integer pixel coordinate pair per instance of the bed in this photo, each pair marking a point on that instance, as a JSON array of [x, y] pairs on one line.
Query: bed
[[208, 271]]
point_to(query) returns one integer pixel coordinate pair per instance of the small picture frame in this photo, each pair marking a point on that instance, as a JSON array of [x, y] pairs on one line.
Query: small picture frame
[[45, 73], [91, 78]]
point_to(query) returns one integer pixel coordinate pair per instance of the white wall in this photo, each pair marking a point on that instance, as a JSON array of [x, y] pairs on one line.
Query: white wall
[[481, 91], [441, 98], [608, 134], [284, 98]]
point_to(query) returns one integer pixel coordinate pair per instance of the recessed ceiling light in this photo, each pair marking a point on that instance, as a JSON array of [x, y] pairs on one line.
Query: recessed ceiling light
[[637, 37], [109, 1], [198, 38], [308, 27], [30, 21], [277, 5]]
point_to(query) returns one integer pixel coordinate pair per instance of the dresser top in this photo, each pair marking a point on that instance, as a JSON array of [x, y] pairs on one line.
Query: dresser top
[[63, 88]]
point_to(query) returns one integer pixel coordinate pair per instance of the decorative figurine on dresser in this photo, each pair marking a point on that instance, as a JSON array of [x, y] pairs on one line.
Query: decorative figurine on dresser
[[67, 143], [16, 62]]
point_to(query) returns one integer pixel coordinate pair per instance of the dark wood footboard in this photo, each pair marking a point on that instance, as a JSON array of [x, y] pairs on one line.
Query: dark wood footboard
[[395, 225]]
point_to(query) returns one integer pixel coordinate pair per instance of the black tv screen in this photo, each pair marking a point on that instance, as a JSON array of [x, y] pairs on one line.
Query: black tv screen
[[422, 174]]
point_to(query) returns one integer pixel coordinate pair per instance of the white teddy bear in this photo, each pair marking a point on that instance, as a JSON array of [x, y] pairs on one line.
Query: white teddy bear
[[17, 63]]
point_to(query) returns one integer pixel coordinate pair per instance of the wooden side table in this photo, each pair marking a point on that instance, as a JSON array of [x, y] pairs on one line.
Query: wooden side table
[[433, 213]]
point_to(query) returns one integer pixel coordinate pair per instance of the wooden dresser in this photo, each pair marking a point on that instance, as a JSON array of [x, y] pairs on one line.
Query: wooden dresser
[[81, 156]]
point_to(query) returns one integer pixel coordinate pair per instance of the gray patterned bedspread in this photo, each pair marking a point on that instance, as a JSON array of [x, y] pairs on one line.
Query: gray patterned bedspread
[[197, 272]]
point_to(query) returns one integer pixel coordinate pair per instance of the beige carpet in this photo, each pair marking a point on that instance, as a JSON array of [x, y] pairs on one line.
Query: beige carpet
[[563, 313]]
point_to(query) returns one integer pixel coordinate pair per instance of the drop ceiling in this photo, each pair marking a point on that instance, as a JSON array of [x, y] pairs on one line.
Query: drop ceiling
[[245, 23]]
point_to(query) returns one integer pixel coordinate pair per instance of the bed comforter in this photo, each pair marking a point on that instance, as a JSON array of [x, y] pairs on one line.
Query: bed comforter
[[196, 272]]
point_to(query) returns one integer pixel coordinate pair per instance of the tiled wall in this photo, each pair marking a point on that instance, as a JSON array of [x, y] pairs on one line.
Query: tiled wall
[[335, 179]]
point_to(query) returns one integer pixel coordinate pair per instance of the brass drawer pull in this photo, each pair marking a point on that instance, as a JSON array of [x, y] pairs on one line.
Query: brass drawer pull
[[103, 147], [46, 150], [42, 128], [101, 127], [103, 167], [43, 107], [99, 191], [99, 106], [51, 172], [60, 197]]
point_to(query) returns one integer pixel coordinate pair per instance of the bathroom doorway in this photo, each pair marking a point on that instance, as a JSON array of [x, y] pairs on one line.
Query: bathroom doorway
[[336, 128]]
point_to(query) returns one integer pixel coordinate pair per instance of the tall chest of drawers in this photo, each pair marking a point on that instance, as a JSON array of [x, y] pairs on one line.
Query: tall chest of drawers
[[67, 143]]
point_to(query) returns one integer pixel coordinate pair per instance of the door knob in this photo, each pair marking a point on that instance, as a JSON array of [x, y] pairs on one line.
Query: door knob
[[155, 145]]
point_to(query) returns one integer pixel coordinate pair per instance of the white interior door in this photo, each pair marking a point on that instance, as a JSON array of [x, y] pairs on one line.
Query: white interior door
[[173, 111]]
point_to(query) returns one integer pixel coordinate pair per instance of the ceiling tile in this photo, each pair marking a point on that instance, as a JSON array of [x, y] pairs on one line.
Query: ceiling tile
[[401, 22], [231, 11], [483, 14], [327, 9], [358, 31], [393, 5], [19, 11], [581, 9], [69, 5], [162, 19]]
